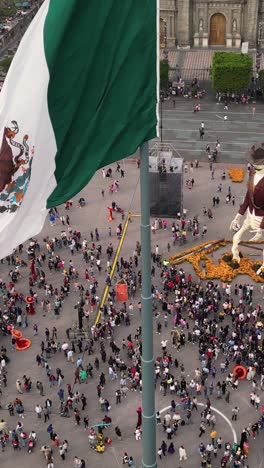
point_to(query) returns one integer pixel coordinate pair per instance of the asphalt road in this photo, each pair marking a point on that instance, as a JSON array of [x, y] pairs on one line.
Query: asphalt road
[[180, 127]]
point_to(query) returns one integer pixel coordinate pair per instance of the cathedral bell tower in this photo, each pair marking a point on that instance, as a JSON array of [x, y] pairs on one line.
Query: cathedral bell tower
[[252, 21], [183, 23]]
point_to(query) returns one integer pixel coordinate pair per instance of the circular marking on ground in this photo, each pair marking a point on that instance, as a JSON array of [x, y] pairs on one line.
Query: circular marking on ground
[[229, 423]]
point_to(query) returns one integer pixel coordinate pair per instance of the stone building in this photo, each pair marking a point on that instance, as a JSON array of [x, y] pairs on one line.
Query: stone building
[[211, 23]]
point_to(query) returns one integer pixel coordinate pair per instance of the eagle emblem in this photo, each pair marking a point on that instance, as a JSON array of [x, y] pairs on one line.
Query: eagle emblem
[[15, 168]]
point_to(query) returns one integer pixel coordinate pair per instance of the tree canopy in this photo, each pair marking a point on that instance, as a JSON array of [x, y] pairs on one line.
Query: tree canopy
[[231, 72], [164, 74], [5, 63], [7, 9]]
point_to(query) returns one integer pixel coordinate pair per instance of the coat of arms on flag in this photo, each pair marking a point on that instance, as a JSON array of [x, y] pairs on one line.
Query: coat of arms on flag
[[74, 130], [15, 168]]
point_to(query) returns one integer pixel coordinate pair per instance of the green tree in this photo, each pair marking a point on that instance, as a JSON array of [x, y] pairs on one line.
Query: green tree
[[5, 64], [164, 74], [7, 9], [231, 72]]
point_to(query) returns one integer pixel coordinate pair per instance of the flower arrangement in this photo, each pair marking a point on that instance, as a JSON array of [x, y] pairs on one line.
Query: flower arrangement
[[209, 246], [236, 174], [224, 270]]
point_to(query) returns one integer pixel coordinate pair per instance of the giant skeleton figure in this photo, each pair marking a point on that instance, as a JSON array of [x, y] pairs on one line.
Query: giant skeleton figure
[[253, 204]]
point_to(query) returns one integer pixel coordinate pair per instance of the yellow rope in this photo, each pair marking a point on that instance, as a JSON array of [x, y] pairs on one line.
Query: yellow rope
[[106, 289]]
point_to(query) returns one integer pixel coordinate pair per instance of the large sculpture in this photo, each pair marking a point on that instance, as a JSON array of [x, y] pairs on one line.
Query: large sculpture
[[253, 204]]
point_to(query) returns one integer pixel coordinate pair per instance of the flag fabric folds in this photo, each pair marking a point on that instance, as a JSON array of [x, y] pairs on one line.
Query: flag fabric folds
[[80, 94]]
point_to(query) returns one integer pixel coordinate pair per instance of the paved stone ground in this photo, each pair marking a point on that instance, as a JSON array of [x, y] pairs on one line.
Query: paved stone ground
[[95, 215]]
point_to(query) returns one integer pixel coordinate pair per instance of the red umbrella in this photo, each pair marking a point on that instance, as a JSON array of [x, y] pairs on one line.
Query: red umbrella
[[29, 300]]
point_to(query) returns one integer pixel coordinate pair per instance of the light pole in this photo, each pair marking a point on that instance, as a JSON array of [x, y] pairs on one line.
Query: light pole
[[148, 390]]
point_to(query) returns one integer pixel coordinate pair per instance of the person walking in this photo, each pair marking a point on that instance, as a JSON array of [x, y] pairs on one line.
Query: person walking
[[118, 396], [61, 394], [84, 401], [77, 417], [86, 422], [70, 354], [50, 463], [139, 414], [77, 463], [194, 403], [182, 453], [213, 436], [118, 433], [235, 412], [11, 409], [39, 386], [171, 449], [164, 448], [202, 429], [257, 402], [62, 452], [46, 414], [50, 431], [201, 130], [38, 410], [19, 386], [47, 334], [158, 418]]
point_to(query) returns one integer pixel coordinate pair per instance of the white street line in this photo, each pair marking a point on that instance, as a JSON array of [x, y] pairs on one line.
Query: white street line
[[212, 131], [216, 411], [246, 122], [211, 112], [199, 141], [202, 149]]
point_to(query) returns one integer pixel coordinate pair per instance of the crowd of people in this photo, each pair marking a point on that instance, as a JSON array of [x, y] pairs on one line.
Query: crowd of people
[[220, 324]]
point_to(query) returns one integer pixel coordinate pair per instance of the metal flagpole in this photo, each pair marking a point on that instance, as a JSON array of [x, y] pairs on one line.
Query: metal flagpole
[[148, 391]]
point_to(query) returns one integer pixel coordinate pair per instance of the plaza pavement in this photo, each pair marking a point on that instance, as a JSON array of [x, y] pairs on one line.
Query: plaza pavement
[[94, 214]]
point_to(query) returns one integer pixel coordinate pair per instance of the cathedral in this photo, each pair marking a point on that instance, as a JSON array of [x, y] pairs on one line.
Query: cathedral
[[211, 23]]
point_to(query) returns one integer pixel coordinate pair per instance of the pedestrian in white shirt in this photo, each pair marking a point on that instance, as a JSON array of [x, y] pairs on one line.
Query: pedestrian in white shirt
[[182, 453], [257, 402], [70, 355], [38, 410]]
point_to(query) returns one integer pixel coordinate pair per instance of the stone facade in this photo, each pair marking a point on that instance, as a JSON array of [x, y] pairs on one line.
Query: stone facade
[[211, 23]]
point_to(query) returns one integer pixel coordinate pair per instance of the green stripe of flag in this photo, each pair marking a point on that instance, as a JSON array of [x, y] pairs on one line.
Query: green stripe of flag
[[101, 56]]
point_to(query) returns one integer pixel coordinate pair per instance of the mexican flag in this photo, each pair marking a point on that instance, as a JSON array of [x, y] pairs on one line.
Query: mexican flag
[[80, 94]]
